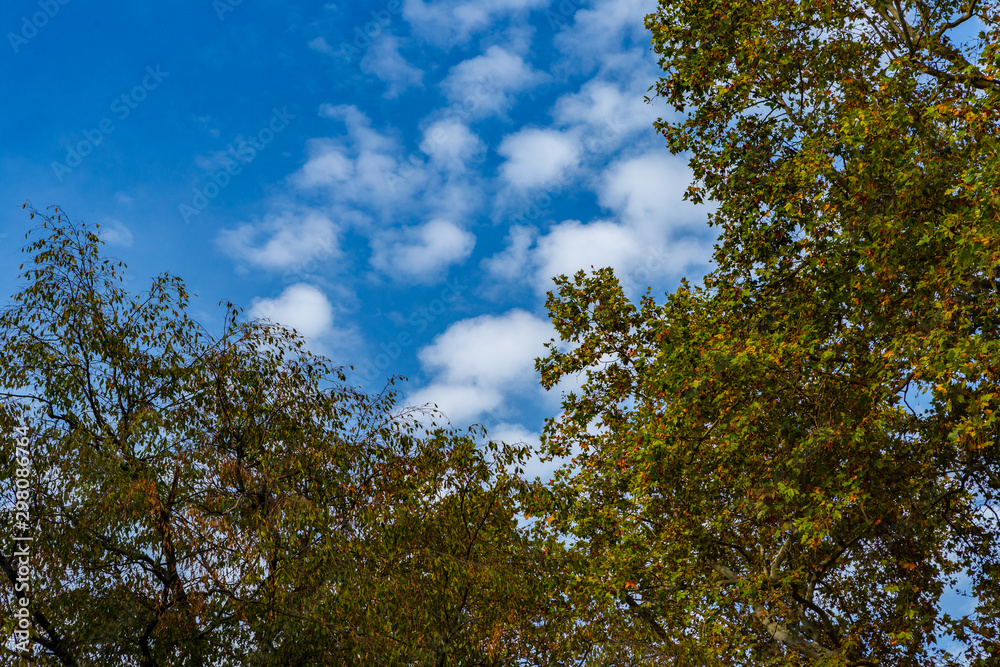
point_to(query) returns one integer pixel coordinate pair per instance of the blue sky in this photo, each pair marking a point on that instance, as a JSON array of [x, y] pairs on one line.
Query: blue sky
[[399, 180]]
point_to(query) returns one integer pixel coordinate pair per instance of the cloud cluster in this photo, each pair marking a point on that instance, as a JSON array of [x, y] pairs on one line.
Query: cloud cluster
[[493, 79], [601, 34], [477, 362], [538, 157], [301, 307], [648, 235], [284, 241], [364, 179], [419, 200], [423, 254], [451, 22]]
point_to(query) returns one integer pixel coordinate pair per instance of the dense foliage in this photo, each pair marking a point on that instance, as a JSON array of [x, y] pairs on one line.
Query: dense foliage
[[232, 500], [794, 461]]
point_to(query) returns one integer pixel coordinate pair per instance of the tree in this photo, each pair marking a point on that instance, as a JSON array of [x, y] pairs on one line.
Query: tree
[[791, 463], [232, 500]]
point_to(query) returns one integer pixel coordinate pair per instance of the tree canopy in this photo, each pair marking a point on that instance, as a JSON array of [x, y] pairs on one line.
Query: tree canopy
[[232, 500], [793, 461]]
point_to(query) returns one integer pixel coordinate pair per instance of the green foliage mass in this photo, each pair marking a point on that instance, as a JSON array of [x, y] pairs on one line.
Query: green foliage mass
[[790, 463], [232, 500]]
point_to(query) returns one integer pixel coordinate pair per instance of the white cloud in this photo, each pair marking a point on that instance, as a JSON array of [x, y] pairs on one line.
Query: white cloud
[[115, 233], [284, 241], [537, 157], [302, 307], [652, 235], [368, 170], [459, 404], [597, 33], [614, 109], [454, 199], [510, 264], [571, 246], [367, 182], [425, 252], [361, 168], [320, 45], [327, 165], [384, 61], [638, 260], [514, 434], [647, 192], [476, 362], [486, 84], [452, 145], [450, 22], [493, 350]]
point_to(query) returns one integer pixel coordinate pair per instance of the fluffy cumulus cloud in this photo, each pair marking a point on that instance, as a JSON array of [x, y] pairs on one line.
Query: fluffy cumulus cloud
[[328, 164], [115, 233], [423, 253], [284, 241], [384, 61], [369, 173], [363, 179], [510, 264], [611, 109], [649, 237], [488, 84], [647, 190], [451, 145], [603, 30], [537, 157], [355, 169], [302, 307], [478, 362], [448, 22], [572, 245], [604, 118]]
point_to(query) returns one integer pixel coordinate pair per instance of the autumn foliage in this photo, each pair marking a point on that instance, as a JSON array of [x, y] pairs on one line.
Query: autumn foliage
[[231, 499], [792, 462], [795, 461]]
